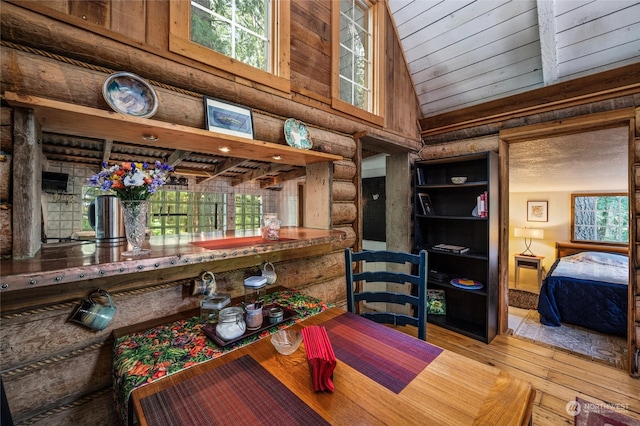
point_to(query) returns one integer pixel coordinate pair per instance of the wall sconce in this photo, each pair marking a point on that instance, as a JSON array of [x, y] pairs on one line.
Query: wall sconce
[[528, 234]]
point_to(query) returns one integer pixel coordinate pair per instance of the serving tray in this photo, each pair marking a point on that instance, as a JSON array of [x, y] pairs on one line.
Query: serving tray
[[209, 329]]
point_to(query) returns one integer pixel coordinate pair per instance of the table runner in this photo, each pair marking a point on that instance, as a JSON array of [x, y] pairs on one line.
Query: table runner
[[391, 358], [143, 357], [240, 392]]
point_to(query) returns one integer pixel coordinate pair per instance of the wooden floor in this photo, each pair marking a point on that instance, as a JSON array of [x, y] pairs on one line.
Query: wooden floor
[[557, 376]]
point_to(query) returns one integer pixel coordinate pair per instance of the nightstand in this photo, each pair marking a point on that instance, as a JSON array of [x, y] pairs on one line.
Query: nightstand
[[528, 262]]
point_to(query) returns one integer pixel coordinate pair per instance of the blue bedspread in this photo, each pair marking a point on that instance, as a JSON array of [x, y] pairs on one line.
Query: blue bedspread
[[597, 305]]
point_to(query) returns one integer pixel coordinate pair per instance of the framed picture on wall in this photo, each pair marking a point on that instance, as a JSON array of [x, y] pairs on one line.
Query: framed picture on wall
[[228, 118], [537, 211]]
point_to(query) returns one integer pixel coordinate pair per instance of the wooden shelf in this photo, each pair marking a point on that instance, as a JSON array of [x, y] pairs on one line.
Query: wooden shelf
[[69, 119]]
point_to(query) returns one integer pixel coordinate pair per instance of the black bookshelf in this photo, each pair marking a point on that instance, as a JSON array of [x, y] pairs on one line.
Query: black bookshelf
[[457, 217]]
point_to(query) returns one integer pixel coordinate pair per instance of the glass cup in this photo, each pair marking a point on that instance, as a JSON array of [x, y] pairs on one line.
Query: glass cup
[[253, 316]]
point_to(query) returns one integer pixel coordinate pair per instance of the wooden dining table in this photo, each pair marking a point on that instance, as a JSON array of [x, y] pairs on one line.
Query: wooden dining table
[[382, 376]]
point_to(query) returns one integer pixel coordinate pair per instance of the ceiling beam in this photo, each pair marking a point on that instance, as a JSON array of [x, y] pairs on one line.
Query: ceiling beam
[[177, 156], [106, 150], [548, 41], [260, 172]]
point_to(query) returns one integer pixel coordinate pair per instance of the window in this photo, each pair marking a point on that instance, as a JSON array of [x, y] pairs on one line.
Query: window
[[180, 212], [600, 218], [248, 38], [236, 28], [358, 58], [248, 211], [175, 212]]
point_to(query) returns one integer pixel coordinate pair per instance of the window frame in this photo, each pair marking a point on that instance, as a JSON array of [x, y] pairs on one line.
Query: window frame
[[279, 75], [573, 217], [377, 15]]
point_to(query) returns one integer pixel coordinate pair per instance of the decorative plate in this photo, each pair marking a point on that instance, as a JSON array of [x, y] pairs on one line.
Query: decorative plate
[[297, 134], [129, 94], [466, 283]]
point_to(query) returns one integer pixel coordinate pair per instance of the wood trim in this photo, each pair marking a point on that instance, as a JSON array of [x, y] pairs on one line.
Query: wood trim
[[580, 124], [606, 85], [181, 44]]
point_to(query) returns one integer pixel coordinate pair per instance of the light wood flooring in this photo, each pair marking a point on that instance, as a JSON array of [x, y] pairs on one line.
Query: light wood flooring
[[557, 376]]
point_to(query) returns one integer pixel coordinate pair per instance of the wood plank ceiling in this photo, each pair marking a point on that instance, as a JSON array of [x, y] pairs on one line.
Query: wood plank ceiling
[[466, 52], [463, 53]]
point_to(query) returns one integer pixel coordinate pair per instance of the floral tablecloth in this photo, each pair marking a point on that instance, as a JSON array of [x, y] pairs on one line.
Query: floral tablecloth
[[143, 357]]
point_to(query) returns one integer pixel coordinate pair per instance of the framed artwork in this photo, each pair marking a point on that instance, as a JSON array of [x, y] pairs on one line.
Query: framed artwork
[[425, 203], [228, 118], [537, 211]]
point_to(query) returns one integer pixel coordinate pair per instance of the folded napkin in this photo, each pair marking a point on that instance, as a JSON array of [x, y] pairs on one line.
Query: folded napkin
[[322, 360]]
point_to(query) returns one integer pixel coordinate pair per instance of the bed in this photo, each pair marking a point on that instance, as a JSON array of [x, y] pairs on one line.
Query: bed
[[588, 286]]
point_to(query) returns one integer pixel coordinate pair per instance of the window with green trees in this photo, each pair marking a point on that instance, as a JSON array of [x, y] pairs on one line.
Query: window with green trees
[[600, 218], [239, 29], [355, 53], [246, 38]]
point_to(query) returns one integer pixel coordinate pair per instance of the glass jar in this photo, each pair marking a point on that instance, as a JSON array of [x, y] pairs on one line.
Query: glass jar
[[231, 323], [270, 227], [210, 306], [254, 289]]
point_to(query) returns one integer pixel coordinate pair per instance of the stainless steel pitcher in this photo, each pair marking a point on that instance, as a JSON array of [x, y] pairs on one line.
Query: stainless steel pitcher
[[105, 217]]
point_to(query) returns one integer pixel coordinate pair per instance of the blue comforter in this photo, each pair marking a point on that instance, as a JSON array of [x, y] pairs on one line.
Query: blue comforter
[[598, 305]]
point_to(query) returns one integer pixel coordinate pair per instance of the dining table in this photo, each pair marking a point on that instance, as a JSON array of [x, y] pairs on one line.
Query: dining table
[[381, 376]]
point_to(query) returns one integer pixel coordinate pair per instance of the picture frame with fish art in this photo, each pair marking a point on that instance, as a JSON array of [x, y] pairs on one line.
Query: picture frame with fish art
[[228, 118]]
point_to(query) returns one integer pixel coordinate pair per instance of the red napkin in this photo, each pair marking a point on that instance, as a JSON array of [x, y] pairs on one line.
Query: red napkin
[[322, 360]]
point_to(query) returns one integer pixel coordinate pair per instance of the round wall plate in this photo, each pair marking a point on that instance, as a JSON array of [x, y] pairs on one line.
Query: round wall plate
[[297, 134], [129, 94]]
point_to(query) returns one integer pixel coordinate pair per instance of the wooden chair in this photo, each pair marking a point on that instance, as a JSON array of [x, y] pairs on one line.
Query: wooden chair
[[419, 303]]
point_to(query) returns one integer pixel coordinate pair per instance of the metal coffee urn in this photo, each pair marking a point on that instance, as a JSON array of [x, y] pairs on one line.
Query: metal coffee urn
[[105, 217]]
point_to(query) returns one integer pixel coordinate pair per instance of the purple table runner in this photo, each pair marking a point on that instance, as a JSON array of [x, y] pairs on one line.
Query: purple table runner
[[240, 392], [391, 358]]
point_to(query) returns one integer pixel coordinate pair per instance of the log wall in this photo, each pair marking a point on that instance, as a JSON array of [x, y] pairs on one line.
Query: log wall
[[56, 372]]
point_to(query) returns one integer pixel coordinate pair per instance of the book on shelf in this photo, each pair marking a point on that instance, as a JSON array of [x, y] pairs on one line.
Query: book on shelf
[[482, 204], [450, 248], [438, 277], [420, 173], [436, 304]]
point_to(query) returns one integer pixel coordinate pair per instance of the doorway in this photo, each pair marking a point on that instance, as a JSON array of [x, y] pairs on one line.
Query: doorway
[[543, 145]]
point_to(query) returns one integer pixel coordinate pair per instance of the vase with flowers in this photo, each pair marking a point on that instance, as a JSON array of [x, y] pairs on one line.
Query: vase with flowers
[[133, 183]]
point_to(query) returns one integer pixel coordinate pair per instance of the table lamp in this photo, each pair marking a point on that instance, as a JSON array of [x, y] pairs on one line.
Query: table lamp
[[528, 234]]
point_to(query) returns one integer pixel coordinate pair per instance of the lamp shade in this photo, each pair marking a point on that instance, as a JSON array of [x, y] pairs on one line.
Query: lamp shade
[[529, 233]]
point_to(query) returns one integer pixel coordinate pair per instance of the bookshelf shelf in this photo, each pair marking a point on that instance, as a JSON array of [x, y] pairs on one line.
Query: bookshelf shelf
[[463, 215]]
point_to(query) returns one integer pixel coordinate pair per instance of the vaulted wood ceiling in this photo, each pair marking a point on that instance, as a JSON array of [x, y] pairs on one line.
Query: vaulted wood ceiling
[[466, 52], [463, 53]]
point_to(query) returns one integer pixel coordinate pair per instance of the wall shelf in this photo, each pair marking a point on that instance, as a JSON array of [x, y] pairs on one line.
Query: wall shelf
[[77, 120]]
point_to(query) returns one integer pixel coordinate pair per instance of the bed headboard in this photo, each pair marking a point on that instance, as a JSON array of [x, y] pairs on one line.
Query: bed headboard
[[566, 248]]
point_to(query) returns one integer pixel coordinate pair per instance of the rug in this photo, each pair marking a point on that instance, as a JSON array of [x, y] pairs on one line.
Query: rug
[[590, 344], [592, 414], [523, 299]]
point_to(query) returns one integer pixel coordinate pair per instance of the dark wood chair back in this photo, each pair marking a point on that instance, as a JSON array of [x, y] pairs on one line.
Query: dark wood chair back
[[416, 286]]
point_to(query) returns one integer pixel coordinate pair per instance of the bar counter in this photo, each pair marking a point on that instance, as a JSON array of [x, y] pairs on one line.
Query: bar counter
[[73, 262]]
